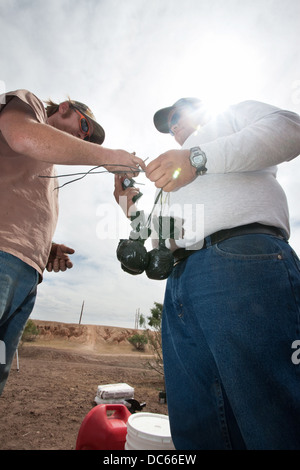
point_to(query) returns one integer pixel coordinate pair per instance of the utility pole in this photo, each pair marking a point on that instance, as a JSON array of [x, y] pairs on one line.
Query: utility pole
[[81, 313], [137, 319]]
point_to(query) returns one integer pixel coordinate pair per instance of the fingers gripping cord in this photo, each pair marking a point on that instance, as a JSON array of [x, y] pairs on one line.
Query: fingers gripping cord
[[127, 169]]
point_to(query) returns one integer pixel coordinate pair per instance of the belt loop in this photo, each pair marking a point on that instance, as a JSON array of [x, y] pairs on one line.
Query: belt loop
[[207, 241]]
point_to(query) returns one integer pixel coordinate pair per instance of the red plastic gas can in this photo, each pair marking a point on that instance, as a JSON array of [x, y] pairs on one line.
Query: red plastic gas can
[[99, 431]]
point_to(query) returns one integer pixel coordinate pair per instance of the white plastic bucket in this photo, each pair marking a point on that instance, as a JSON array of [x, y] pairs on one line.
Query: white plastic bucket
[[148, 431]]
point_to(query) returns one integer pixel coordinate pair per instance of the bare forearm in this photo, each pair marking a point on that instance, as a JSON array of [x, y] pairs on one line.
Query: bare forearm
[[54, 146], [44, 142]]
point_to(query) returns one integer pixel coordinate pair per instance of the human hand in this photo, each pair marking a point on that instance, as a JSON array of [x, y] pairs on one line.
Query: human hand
[[58, 259], [129, 207], [121, 161], [171, 170]]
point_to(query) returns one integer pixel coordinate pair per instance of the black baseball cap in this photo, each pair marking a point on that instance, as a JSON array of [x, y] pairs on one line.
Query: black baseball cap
[[161, 117], [98, 134]]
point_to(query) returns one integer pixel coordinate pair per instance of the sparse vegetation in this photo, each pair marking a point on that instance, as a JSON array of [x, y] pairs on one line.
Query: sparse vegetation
[[154, 337], [138, 341], [30, 332]]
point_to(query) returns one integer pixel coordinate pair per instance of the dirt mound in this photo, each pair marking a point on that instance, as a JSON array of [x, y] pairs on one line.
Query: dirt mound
[[49, 393], [45, 402], [95, 338]]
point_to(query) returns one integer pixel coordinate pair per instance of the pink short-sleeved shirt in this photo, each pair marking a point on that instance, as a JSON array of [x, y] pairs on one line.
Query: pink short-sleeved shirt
[[28, 203]]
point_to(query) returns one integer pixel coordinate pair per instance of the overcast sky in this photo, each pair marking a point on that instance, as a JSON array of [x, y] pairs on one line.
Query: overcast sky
[[126, 59]]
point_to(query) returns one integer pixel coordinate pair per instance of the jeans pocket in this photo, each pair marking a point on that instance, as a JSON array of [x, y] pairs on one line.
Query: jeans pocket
[[251, 247]]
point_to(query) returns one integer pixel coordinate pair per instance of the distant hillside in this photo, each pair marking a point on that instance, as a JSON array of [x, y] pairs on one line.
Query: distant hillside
[[92, 337]]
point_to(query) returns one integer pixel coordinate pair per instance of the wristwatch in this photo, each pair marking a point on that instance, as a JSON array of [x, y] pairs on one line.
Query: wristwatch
[[198, 160]]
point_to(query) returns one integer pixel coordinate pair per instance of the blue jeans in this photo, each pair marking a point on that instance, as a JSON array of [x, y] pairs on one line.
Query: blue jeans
[[231, 314], [18, 285]]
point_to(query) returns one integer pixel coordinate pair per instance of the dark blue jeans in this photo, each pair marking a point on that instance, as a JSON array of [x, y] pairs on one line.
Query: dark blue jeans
[[231, 315], [18, 283]]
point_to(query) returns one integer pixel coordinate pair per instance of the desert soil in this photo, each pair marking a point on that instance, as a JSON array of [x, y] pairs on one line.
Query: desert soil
[[46, 399]]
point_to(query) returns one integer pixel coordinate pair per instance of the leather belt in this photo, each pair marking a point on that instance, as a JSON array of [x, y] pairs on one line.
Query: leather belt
[[217, 237]]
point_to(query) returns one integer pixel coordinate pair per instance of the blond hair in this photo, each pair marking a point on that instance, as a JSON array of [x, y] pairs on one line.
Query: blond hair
[[51, 107]]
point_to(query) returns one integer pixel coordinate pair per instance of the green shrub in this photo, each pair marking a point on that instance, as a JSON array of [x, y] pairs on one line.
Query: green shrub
[[30, 332], [138, 341]]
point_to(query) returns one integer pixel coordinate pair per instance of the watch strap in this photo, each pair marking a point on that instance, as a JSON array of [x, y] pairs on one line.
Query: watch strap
[[202, 169]]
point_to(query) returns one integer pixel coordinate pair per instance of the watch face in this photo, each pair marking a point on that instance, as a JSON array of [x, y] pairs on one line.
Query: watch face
[[198, 159]]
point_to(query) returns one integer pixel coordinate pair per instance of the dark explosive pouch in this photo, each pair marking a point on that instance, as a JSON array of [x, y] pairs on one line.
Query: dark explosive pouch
[[132, 254]]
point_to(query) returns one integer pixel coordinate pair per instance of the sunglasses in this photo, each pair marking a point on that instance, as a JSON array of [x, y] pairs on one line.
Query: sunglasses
[[174, 120], [184, 111], [84, 123]]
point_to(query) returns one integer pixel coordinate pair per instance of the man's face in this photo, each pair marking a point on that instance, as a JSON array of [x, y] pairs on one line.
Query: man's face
[[68, 120], [182, 123]]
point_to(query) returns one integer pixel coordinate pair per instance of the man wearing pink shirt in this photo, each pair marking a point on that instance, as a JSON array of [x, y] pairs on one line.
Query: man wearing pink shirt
[[32, 140]]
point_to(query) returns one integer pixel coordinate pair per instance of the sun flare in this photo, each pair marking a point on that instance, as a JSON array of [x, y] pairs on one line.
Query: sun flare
[[225, 71]]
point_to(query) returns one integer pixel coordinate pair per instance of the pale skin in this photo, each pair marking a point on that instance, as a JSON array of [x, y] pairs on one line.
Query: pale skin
[[58, 259], [161, 170], [59, 142], [129, 193]]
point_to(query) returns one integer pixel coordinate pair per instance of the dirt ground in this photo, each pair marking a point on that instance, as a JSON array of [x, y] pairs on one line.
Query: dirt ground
[[45, 401]]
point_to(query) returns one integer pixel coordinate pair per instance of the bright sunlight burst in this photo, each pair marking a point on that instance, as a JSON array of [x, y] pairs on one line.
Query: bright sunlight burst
[[225, 72]]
